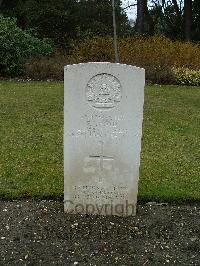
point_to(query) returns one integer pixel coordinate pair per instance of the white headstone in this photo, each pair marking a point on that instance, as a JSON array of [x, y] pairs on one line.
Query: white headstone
[[103, 112]]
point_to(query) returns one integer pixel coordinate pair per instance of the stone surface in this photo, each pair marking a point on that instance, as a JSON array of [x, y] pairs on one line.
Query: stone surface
[[103, 111]]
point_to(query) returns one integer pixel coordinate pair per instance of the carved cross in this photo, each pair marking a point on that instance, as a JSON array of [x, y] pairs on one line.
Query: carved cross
[[101, 157]]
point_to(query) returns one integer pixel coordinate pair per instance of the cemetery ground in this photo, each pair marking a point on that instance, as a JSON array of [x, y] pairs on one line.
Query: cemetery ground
[[33, 228]]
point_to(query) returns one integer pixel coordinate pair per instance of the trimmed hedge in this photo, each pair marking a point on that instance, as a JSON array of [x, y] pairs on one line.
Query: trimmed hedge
[[165, 61], [141, 51]]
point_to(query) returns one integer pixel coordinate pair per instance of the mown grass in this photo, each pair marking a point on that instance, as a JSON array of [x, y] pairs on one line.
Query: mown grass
[[170, 168], [31, 141]]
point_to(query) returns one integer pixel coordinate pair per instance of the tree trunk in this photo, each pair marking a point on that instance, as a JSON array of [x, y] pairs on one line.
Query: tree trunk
[[115, 33], [188, 19], [1, 1], [141, 10]]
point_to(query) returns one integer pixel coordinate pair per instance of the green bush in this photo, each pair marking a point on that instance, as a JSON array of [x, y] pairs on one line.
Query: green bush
[[16, 45], [185, 76]]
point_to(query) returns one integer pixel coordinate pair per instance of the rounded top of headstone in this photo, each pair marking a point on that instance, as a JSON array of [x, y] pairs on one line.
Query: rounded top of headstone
[[104, 64]]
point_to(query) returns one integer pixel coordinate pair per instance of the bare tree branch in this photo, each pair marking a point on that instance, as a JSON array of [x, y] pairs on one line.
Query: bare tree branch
[[176, 7], [126, 7]]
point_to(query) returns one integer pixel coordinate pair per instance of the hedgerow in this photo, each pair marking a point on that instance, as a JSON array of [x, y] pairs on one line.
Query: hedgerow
[[142, 51], [165, 61]]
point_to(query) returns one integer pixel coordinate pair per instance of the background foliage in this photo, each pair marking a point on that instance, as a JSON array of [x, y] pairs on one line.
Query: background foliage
[[65, 20], [82, 30], [16, 44]]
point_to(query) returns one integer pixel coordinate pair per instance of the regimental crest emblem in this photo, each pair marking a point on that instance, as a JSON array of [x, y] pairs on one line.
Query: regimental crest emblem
[[103, 91]]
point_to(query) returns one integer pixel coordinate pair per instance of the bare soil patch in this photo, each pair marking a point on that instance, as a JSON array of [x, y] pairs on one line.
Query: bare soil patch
[[39, 233]]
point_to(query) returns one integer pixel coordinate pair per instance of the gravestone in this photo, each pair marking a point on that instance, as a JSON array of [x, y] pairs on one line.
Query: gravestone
[[103, 112]]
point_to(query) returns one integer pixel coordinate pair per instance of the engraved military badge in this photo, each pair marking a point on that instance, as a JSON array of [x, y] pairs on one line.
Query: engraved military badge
[[103, 91]]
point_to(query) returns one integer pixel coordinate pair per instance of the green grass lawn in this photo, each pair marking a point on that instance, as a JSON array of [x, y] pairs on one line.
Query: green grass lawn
[[31, 141]]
